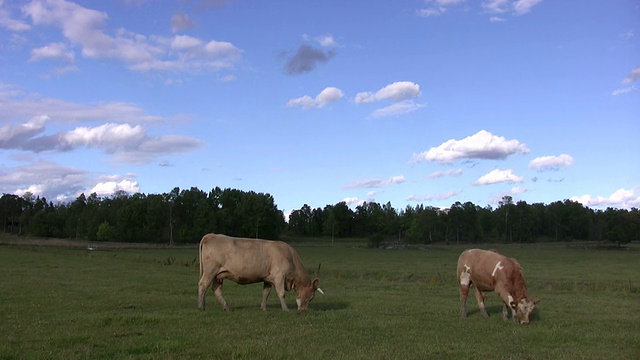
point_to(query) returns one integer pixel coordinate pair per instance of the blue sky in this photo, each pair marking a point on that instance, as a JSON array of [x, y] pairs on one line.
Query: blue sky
[[317, 102]]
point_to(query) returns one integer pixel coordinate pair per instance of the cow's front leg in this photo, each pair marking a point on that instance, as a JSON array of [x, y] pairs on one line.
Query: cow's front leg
[[217, 290], [505, 312], [480, 296], [280, 291], [265, 294]]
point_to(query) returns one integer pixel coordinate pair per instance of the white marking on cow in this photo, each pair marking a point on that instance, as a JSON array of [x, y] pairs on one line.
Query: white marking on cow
[[465, 276], [498, 267], [298, 301]]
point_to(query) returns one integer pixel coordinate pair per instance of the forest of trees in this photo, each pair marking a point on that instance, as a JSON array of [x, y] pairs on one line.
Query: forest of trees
[[184, 216]]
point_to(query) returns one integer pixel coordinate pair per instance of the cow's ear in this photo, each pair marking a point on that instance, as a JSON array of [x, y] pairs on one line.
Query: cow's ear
[[316, 282], [536, 301], [514, 305]]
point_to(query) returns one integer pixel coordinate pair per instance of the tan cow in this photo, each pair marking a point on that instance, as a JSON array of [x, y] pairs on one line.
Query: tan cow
[[489, 271], [249, 261]]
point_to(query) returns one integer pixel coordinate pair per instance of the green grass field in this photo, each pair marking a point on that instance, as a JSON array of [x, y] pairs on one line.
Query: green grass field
[[61, 303]]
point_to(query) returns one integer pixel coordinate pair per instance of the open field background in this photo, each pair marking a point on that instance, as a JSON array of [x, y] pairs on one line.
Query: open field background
[[72, 303]]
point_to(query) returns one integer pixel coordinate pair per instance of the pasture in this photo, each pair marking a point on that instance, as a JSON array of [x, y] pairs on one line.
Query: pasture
[[68, 303]]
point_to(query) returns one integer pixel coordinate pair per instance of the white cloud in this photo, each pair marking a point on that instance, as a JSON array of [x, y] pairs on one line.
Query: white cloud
[[16, 104], [398, 91], [376, 183], [521, 7], [326, 96], [498, 176], [439, 174], [482, 145], [124, 141], [633, 76], [624, 90], [60, 183], [436, 197], [518, 7], [399, 108], [437, 7], [11, 24], [110, 187], [85, 28], [621, 198], [353, 201], [551, 162], [326, 40], [56, 51]]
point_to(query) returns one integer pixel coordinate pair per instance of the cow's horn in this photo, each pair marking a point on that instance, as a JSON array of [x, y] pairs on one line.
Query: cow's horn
[[320, 290]]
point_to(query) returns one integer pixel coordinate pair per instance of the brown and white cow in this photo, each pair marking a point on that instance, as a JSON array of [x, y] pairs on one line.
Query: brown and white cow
[[489, 271], [249, 261]]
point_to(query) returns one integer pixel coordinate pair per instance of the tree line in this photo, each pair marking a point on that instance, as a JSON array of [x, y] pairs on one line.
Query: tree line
[[468, 223], [184, 216], [176, 217]]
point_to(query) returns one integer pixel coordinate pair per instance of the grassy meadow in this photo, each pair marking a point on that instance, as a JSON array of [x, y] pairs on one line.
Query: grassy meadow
[[64, 303]]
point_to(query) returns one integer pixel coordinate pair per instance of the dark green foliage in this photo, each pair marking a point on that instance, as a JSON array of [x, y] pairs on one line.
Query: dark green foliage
[[174, 217], [184, 216]]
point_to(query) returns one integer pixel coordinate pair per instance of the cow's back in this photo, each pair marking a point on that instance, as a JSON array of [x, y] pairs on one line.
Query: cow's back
[[244, 260], [483, 266]]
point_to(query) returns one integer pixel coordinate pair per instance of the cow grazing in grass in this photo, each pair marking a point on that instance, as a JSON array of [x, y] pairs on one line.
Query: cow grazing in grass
[[249, 261], [489, 271]]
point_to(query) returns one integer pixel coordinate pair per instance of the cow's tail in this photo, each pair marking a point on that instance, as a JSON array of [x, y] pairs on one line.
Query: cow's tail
[[200, 257]]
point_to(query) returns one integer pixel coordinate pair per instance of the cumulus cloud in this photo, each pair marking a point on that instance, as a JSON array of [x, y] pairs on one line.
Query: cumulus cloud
[[306, 59], [124, 141], [551, 162], [482, 145], [326, 96], [85, 28], [439, 174], [376, 183], [60, 183], [53, 51], [11, 24], [518, 7], [353, 201], [621, 198], [497, 176], [111, 187], [398, 91]]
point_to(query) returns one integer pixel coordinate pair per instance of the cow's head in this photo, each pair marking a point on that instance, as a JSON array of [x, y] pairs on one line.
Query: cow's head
[[304, 294], [523, 309]]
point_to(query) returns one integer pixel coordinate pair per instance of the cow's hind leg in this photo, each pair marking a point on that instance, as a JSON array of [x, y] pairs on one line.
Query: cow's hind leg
[[480, 296], [465, 285], [265, 294], [203, 285], [217, 290]]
